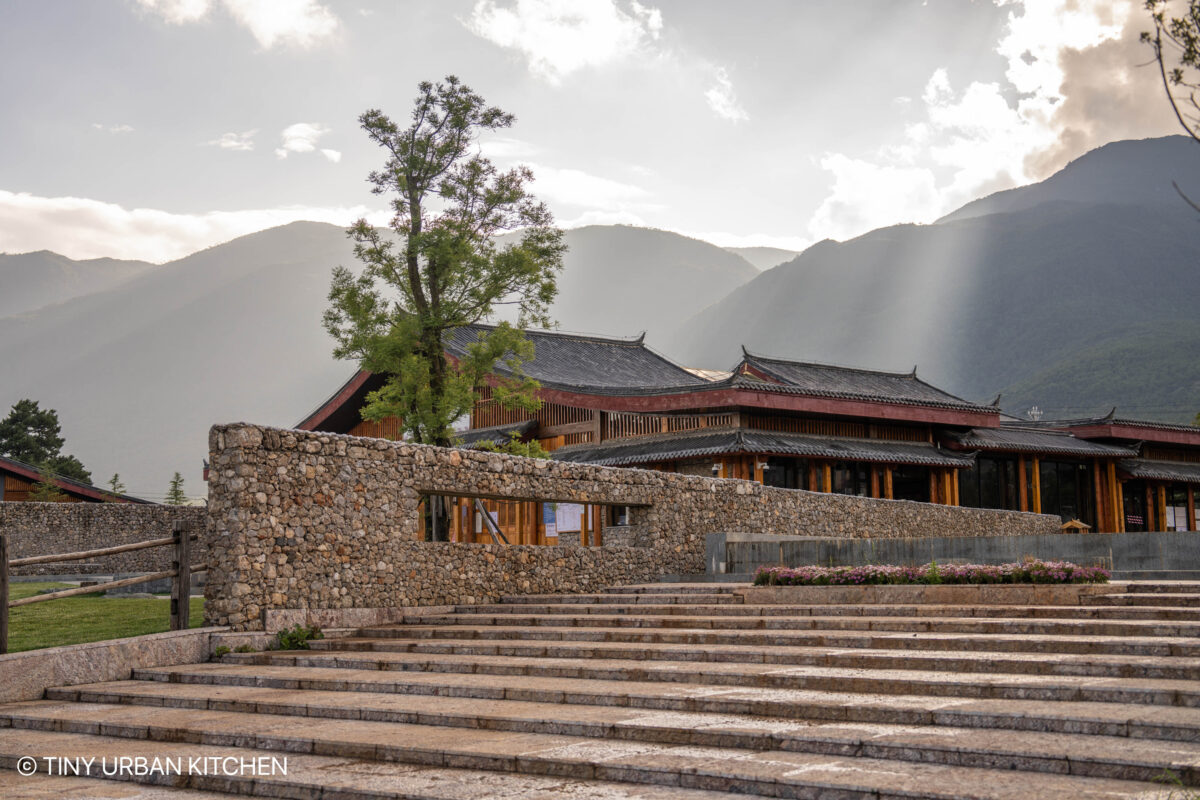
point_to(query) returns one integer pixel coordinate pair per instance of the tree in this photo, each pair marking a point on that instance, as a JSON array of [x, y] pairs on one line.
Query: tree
[[1176, 45], [46, 490], [175, 495], [444, 268], [33, 435], [114, 484]]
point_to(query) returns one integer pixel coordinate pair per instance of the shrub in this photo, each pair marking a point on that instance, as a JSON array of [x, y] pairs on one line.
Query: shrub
[[220, 652], [297, 637], [932, 573], [245, 648]]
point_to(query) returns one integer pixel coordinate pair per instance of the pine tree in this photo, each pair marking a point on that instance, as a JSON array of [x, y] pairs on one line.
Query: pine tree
[[114, 484], [175, 495], [33, 435], [46, 490]]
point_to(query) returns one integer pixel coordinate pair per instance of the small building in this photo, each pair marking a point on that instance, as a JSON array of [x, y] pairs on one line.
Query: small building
[[819, 427], [19, 479]]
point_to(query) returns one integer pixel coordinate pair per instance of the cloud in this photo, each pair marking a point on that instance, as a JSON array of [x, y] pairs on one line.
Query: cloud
[[1072, 85], [82, 228], [302, 138], [722, 99], [235, 141], [558, 37], [298, 23], [113, 128]]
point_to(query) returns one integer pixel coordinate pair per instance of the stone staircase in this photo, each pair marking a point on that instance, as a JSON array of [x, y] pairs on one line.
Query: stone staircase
[[672, 691]]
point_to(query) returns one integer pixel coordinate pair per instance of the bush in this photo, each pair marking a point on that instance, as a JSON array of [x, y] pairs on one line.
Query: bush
[[245, 648], [297, 637], [220, 652], [933, 573]]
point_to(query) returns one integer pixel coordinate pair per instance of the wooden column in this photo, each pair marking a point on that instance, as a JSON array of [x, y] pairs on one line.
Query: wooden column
[[519, 528], [1102, 513], [933, 486], [812, 477], [758, 472], [583, 527], [1162, 507], [827, 472], [1192, 513], [597, 526], [181, 585], [1150, 508], [955, 480], [1022, 489], [874, 481], [1118, 502], [887, 483], [1037, 486], [3, 593]]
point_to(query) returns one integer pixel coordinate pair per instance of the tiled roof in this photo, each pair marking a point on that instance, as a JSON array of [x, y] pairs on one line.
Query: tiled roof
[[1025, 439], [570, 361], [659, 447], [1178, 471], [497, 434], [860, 384]]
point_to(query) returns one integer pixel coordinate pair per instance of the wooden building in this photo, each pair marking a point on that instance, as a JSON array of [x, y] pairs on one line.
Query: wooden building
[[818, 427], [19, 478]]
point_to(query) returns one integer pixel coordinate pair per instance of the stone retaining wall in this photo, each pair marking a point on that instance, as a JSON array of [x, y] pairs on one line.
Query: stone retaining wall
[[38, 529], [322, 521]]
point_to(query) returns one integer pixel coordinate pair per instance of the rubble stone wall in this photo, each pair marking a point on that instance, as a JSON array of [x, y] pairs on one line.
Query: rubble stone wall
[[39, 529], [324, 521]]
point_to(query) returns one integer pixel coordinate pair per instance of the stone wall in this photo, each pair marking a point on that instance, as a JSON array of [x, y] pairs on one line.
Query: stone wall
[[322, 521], [38, 529]]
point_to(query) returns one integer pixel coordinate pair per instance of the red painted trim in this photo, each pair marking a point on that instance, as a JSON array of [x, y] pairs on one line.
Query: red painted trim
[[1135, 433], [314, 420], [740, 398]]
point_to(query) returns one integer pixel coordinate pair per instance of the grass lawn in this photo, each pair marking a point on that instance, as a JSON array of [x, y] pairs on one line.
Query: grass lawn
[[74, 620]]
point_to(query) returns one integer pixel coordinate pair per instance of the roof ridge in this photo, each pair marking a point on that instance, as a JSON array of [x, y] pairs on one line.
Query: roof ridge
[[910, 375]]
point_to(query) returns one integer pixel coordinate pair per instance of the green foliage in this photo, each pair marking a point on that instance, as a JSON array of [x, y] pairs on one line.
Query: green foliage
[[175, 495], [115, 485], [220, 652], [932, 575], [33, 435], [515, 447], [46, 490], [444, 268], [1179, 790], [245, 648], [296, 637]]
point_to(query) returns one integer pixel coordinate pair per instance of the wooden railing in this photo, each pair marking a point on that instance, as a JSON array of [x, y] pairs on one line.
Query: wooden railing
[[180, 573]]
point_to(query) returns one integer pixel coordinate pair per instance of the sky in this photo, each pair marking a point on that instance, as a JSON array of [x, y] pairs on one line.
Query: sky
[[150, 129]]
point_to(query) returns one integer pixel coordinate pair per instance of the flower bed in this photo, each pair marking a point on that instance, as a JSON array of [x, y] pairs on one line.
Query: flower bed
[[932, 573]]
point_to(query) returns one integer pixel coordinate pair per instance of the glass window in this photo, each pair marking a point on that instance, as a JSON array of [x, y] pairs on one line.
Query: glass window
[[910, 483]]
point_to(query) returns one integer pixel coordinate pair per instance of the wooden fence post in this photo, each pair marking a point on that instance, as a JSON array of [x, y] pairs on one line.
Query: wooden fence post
[[3, 593], [181, 585]]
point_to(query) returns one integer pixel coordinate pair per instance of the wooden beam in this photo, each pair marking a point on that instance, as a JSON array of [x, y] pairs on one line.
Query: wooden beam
[[1037, 486], [583, 527], [181, 586], [562, 430], [1022, 489]]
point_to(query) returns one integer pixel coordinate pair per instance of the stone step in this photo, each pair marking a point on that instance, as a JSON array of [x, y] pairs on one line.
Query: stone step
[[995, 611], [1098, 719], [884, 638], [308, 776], [802, 620], [678, 588], [1095, 756], [887, 681], [767, 676], [683, 598], [771, 773], [703, 642], [1154, 599], [1158, 586]]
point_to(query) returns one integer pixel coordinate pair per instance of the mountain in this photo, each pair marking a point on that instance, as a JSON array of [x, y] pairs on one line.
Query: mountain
[[616, 277], [33, 280], [764, 257], [1080, 290], [138, 372]]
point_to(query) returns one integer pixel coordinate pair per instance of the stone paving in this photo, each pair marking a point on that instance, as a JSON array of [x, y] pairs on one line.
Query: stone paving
[[667, 691]]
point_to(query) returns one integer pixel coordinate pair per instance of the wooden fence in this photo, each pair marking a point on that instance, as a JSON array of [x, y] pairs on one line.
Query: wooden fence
[[180, 573]]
